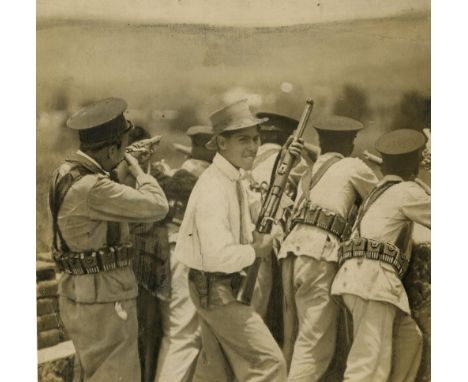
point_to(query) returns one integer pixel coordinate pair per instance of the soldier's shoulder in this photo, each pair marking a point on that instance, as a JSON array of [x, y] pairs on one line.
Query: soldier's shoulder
[[416, 188], [356, 164]]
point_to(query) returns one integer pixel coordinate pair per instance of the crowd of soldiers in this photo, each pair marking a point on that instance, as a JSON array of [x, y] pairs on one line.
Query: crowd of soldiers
[[153, 259]]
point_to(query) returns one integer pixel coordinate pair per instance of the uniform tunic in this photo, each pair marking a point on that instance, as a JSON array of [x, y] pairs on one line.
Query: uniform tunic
[[387, 343], [314, 266], [99, 310]]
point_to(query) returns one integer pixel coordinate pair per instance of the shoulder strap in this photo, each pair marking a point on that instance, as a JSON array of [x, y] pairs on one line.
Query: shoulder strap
[[59, 188], [309, 181], [370, 200]]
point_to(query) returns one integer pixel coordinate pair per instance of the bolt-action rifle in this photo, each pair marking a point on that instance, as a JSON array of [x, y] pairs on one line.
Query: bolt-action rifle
[[271, 204]]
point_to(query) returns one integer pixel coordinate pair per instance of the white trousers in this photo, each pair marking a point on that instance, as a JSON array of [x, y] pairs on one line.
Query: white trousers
[[317, 317], [181, 340], [387, 344]]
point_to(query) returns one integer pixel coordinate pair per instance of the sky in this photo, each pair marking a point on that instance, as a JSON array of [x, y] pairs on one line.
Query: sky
[[227, 12]]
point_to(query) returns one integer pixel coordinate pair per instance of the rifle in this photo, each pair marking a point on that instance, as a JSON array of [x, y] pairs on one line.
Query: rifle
[[272, 202]]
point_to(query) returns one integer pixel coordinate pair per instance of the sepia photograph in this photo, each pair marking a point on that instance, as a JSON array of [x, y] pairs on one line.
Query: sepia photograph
[[233, 190]]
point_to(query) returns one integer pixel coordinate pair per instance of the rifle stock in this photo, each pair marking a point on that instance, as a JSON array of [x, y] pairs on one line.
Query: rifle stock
[[271, 204]]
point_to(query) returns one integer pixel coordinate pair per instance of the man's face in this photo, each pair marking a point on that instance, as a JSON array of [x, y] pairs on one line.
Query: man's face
[[241, 148]]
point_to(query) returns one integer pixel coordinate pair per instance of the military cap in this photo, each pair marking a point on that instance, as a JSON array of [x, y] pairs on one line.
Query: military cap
[[336, 123], [277, 122], [100, 121], [235, 116], [199, 129], [400, 142]]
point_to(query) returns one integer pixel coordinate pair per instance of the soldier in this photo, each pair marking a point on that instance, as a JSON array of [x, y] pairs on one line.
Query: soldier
[[326, 196], [387, 343], [215, 241], [181, 340], [274, 134], [90, 212]]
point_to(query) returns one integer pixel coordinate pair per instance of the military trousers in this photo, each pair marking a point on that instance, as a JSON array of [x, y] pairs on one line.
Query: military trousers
[[387, 344], [105, 337], [236, 344], [308, 283], [181, 340]]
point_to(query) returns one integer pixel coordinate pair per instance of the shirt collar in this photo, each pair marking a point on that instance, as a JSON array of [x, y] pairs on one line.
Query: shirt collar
[[226, 167], [331, 154], [390, 178], [79, 152]]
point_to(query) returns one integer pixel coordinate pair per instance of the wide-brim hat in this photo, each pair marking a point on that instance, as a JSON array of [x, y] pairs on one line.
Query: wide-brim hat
[[100, 121], [236, 116], [277, 122], [400, 142], [337, 124]]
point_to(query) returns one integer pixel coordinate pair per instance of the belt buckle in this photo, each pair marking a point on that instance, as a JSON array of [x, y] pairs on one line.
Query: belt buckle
[[89, 262]]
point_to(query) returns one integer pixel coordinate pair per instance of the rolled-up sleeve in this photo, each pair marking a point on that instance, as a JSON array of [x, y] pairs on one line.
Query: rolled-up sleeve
[[111, 201], [219, 250]]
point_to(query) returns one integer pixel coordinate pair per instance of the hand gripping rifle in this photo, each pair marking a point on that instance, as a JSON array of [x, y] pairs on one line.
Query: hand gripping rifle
[[271, 204]]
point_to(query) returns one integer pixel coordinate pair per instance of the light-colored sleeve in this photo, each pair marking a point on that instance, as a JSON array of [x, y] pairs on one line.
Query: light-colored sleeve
[[363, 178], [111, 201], [220, 252], [417, 206]]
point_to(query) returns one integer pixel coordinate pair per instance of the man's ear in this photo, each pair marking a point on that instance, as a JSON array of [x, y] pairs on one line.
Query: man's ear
[[221, 142], [111, 151]]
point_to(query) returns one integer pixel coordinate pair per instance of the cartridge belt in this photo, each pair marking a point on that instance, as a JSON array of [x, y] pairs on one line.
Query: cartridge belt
[[373, 250], [92, 262], [327, 220]]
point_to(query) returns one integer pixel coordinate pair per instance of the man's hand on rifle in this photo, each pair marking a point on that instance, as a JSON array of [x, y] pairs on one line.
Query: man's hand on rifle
[[295, 148], [262, 244]]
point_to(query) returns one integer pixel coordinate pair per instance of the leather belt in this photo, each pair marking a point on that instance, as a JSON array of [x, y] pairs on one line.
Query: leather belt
[[327, 220], [373, 250], [92, 262]]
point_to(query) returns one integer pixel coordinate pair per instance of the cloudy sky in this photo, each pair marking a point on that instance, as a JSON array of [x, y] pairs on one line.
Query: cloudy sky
[[227, 12]]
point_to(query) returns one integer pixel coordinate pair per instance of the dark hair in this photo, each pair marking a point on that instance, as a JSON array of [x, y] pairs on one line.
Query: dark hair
[[230, 133], [278, 137], [94, 147], [406, 166], [200, 139], [336, 141]]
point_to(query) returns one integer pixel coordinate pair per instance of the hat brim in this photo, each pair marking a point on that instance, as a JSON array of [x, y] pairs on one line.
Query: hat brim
[[239, 125]]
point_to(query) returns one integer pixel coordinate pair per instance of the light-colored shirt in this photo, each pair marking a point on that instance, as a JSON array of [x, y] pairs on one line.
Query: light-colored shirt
[[375, 280], [89, 205], [209, 237], [336, 191]]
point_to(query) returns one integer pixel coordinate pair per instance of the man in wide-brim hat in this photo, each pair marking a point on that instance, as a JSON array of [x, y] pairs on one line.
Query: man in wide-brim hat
[[216, 242], [387, 344]]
